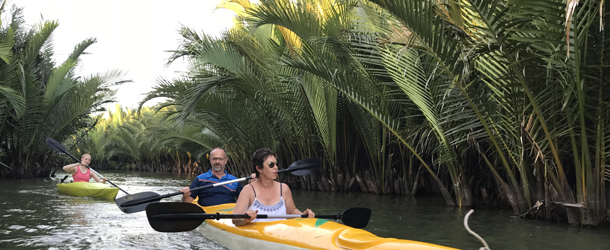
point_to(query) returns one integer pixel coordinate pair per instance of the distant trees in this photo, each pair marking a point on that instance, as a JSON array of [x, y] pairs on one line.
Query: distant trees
[[144, 141]]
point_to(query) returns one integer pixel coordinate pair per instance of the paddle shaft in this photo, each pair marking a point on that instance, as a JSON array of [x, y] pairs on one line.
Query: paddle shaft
[[139, 202], [180, 216], [155, 198], [205, 216]]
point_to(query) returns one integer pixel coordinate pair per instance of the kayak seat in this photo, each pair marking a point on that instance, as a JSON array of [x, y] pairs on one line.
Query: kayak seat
[[360, 239], [353, 238]]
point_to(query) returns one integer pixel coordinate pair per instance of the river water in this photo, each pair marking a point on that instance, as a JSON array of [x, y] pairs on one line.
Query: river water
[[33, 215]]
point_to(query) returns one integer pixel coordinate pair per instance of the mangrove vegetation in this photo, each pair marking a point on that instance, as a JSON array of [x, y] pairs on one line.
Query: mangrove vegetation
[[40, 98], [489, 103]]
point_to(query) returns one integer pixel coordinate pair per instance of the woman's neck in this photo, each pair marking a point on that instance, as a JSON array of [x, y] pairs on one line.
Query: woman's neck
[[267, 184]]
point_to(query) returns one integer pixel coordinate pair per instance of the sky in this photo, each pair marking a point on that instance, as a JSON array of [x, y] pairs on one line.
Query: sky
[[132, 35]]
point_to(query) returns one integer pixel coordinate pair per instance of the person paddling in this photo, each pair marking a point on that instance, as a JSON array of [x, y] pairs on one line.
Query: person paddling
[[80, 171], [266, 195], [217, 195]]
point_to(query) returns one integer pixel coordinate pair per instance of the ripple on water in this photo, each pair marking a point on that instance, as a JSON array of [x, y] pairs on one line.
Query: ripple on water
[[16, 227], [182, 240], [19, 211]]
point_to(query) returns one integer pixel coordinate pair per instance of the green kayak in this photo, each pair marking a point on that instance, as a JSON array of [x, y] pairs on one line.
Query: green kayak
[[88, 189]]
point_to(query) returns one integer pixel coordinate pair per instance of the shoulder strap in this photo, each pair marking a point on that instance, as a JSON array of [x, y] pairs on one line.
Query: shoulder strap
[[252, 189], [281, 189]]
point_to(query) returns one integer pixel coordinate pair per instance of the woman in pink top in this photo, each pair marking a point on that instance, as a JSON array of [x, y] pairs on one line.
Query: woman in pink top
[[266, 195], [81, 173]]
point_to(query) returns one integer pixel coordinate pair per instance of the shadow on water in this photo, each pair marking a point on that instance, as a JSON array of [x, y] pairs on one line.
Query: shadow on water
[[34, 216]]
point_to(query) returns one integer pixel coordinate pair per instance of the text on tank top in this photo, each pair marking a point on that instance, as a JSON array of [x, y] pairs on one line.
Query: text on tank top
[[278, 209], [80, 177]]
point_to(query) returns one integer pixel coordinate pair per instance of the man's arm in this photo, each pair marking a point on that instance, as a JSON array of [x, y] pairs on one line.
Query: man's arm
[[238, 190], [186, 195], [186, 192]]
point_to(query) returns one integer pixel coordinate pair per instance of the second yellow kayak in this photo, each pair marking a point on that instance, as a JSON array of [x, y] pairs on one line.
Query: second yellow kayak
[[88, 189]]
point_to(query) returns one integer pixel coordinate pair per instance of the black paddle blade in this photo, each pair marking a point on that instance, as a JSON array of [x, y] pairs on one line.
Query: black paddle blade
[[123, 202], [303, 167], [154, 211], [53, 144], [357, 217]]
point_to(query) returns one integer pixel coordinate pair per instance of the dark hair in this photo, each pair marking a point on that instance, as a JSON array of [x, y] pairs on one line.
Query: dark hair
[[259, 156]]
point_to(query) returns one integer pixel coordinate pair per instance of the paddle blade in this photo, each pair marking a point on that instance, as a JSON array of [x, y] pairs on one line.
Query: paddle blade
[[357, 217], [162, 224], [53, 144], [124, 202], [303, 167]]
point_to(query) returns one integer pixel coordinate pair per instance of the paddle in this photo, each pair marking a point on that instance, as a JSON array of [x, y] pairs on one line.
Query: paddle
[[181, 216], [53, 177], [53, 144], [137, 202]]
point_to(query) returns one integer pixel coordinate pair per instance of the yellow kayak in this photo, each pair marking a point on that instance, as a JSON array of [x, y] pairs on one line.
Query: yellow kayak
[[88, 189], [301, 233]]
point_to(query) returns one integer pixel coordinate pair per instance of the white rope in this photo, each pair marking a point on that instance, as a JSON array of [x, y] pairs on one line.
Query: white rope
[[486, 247]]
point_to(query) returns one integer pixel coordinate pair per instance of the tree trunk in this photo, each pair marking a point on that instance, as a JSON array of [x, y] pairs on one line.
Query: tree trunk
[[361, 184]]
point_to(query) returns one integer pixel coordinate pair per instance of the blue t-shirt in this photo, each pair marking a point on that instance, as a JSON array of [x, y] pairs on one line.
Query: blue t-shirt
[[227, 193]]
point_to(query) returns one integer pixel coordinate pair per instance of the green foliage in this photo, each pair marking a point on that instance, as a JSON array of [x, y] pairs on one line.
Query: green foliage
[[40, 99], [484, 101]]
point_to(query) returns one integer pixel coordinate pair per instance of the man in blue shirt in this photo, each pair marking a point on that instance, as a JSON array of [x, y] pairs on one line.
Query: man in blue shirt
[[227, 193]]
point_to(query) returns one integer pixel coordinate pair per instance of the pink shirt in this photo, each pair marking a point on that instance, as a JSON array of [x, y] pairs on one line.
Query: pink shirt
[[80, 177]]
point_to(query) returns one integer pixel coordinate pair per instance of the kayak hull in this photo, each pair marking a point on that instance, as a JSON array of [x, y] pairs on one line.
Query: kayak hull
[[88, 189], [301, 233], [234, 241]]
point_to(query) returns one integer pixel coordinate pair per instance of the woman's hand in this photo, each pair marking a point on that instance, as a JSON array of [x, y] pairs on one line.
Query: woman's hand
[[244, 221], [309, 213], [104, 180], [252, 214]]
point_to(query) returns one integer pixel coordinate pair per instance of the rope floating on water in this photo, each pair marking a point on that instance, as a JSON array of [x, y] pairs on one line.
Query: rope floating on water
[[486, 247]]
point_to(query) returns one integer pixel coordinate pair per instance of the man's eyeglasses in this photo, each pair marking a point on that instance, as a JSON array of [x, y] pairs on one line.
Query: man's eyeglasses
[[217, 158], [273, 164]]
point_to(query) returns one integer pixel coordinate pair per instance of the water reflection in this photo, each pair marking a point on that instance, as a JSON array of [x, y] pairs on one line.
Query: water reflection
[[427, 219], [33, 215]]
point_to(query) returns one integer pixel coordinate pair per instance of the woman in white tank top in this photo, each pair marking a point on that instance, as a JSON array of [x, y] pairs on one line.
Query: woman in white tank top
[[265, 196]]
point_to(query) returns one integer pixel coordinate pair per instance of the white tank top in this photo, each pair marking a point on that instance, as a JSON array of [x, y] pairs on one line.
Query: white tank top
[[277, 209]]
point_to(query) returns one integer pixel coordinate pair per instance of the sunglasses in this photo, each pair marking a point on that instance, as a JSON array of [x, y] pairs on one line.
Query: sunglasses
[[273, 164]]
